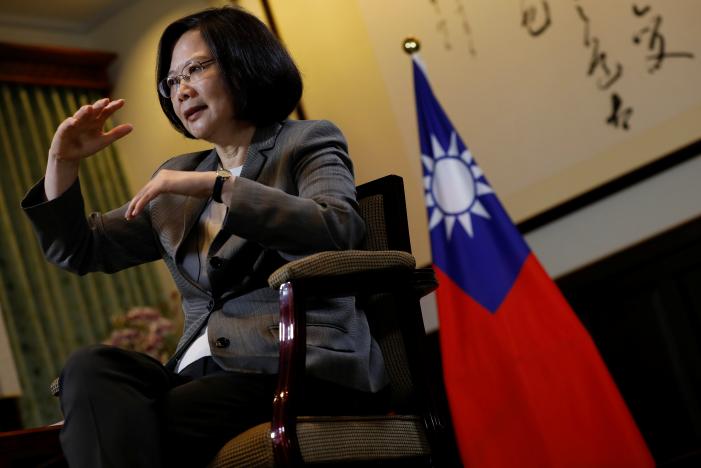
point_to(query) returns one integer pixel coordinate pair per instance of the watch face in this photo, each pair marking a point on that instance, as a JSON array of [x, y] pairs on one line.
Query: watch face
[[223, 173]]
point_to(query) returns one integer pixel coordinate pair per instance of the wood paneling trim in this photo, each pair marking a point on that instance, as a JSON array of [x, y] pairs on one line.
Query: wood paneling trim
[[54, 66]]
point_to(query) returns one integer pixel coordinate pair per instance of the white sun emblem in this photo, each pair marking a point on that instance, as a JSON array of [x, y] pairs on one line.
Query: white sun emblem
[[452, 188]]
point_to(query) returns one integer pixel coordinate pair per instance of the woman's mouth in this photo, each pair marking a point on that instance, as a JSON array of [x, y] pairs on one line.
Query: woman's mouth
[[193, 112]]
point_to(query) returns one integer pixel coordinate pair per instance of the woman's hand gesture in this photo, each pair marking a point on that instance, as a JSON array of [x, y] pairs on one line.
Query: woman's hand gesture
[[190, 183], [81, 135]]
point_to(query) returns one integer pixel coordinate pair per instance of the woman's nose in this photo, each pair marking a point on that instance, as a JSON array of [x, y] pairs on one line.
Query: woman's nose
[[185, 91]]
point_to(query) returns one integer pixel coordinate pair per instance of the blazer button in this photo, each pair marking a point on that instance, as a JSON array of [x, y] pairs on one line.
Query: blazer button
[[216, 263], [221, 342]]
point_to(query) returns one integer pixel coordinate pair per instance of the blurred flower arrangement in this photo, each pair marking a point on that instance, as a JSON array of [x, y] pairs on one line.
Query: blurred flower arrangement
[[150, 330]]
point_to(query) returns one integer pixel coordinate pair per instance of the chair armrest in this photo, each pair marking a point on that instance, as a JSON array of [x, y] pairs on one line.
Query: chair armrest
[[341, 263], [348, 272], [329, 273]]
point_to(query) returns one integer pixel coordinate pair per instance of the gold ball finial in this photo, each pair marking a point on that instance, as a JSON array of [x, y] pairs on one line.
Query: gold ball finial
[[411, 45]]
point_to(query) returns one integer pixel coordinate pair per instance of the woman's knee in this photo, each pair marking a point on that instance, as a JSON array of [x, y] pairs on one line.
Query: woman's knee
[[88, 358], [82, 366], [92, 369], [84, 358]]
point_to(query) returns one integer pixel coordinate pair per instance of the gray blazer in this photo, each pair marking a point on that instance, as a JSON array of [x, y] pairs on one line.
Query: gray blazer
[[295, 196]]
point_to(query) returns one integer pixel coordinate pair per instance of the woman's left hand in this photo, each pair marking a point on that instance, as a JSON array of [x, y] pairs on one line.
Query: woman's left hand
[[191, 183]]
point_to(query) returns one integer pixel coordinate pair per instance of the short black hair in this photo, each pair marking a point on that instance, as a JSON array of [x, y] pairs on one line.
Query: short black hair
[[262, 78]]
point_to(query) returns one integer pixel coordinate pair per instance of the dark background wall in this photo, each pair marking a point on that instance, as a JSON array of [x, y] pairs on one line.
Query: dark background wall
[[642, 307]]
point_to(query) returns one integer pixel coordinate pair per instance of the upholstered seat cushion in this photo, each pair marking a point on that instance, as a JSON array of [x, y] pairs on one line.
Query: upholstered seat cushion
[[333, 439]]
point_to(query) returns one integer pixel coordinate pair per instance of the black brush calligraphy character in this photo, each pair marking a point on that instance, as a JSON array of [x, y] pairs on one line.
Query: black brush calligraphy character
[[585, 19], [460, 10], [619, 116], [641, 11], [530, 18], [599, 60], [658, 45]]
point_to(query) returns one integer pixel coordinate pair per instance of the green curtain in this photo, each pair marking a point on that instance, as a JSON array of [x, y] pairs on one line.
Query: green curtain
[[48, 312]]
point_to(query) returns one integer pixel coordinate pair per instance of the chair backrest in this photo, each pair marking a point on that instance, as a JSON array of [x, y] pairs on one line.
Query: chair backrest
[[382, 206]]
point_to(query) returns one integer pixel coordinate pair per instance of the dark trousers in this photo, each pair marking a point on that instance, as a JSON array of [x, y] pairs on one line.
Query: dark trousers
[[124, 409]]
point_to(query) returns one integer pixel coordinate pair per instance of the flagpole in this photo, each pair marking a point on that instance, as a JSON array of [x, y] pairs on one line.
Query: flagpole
[[411, 45]]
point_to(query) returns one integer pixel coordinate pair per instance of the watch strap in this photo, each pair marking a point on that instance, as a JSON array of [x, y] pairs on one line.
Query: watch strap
[[222, 176]]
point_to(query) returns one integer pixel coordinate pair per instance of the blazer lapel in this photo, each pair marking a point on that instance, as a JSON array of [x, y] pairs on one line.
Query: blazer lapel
[[263, 140]]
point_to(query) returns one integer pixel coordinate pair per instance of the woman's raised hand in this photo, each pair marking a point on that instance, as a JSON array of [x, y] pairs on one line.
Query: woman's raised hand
[[81, 135]]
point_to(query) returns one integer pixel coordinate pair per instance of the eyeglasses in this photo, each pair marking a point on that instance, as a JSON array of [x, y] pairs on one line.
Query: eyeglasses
[[192, 72]]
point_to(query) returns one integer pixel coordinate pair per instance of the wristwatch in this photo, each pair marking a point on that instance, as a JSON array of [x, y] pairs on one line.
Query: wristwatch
[[222, 176]]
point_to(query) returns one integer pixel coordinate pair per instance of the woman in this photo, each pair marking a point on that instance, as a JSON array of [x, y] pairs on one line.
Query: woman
[[270, 191]]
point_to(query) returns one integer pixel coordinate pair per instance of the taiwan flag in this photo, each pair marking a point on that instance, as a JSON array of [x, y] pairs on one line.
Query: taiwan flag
[[525, 383]]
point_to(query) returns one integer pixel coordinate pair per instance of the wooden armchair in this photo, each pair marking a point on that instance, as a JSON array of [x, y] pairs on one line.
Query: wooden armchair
[[388, 287]]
